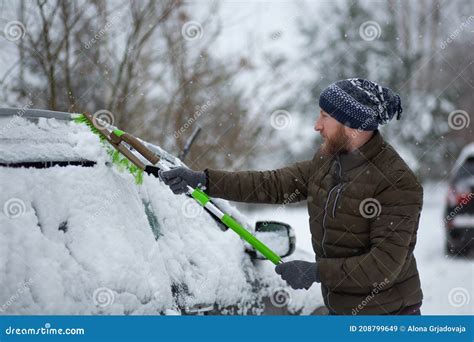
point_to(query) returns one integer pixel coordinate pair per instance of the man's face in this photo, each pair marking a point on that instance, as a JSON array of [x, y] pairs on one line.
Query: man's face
[[334, 134]]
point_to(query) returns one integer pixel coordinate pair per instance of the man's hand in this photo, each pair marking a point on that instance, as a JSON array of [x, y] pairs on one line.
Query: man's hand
[[299, 274], [179, 178]]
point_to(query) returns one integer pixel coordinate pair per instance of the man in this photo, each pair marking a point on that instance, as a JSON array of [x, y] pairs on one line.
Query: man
[[364, 204]]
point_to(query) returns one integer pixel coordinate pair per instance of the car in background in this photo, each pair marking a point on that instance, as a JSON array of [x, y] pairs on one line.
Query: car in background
[[459, 212]]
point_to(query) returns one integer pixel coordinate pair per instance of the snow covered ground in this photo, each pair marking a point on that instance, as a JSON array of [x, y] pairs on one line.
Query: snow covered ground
[[447, 283]]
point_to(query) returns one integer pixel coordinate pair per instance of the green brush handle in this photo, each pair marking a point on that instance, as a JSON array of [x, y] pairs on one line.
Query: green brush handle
[[247, 236], [204, 200]]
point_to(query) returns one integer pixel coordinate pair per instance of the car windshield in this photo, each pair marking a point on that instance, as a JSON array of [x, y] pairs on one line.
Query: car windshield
[[466, 170]]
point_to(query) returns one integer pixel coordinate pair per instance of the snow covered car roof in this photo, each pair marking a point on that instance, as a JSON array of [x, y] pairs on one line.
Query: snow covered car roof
[[466, 152], [88, 240]]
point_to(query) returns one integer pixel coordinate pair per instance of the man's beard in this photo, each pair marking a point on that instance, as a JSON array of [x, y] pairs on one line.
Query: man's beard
[[339, 144]]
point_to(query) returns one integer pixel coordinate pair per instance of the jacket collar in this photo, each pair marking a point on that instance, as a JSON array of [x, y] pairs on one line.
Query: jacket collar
[[364, 153]]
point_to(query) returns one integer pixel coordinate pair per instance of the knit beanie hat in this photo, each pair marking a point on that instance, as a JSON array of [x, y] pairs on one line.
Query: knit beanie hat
[[360, 104]]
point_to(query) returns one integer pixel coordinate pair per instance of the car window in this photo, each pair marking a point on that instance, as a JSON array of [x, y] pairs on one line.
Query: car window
[[466, 170]]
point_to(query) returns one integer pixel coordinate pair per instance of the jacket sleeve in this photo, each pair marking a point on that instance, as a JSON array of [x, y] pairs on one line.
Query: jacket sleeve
[[392, 234], [285, 185]]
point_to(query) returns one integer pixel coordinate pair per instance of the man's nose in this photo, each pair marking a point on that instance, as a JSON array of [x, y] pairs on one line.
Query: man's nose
[[317, 126]]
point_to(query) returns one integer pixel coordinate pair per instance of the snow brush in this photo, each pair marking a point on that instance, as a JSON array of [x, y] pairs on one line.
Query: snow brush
[[116, 137], [124, 157]]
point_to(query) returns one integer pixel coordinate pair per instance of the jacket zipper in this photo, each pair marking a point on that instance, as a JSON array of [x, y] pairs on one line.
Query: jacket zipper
[[326, 205], [324, 217], [325, 213], [335, 201]]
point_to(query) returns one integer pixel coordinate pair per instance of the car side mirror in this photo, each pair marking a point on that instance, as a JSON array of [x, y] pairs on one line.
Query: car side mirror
[[278, 236]]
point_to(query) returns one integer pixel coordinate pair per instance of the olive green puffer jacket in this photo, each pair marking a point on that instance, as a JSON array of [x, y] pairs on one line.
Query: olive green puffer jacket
[[364, 208]]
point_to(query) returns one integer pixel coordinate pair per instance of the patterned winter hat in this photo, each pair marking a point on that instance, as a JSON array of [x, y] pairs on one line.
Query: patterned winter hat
[[360, 104]]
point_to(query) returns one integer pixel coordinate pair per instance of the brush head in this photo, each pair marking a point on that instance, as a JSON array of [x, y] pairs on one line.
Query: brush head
[[83, 119], [117, 158]]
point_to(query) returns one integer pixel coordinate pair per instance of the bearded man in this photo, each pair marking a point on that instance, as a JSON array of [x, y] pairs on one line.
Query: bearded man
[[364, 204]]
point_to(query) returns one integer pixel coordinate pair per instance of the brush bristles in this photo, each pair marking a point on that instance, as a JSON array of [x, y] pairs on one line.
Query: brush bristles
[[83, 120], [117, 158]]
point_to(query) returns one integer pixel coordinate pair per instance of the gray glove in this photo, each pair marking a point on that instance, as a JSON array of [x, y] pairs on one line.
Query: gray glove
[[179, 178], [299, 274]]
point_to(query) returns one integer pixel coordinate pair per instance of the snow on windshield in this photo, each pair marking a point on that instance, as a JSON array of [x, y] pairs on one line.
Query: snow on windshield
[[48, 139], [69, 232], [78, 240]]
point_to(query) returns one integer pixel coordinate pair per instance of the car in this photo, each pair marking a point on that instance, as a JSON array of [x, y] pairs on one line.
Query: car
[[459, 212], [79, 236]]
